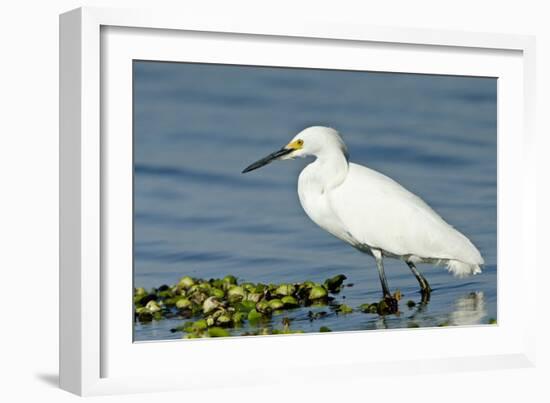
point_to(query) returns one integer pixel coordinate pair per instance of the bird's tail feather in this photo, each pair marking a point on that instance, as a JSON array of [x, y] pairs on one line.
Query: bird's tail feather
[[461, 269]]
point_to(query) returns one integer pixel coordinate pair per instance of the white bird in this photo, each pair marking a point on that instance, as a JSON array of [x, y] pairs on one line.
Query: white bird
[[372, 212]]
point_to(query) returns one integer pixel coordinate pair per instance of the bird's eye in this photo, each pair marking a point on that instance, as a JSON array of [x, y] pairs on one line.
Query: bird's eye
[[300, 142]]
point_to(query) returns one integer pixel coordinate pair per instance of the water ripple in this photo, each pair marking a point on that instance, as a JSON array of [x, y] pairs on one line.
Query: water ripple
[[211, 178]]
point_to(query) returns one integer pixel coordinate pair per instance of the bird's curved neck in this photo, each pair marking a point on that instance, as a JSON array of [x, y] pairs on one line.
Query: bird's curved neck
[[331, 168]]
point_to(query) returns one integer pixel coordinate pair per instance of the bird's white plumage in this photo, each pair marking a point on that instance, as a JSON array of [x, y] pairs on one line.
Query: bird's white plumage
[[372, 212]]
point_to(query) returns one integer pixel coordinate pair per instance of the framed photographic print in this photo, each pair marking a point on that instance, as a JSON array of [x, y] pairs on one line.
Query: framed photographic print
[[275, 190]]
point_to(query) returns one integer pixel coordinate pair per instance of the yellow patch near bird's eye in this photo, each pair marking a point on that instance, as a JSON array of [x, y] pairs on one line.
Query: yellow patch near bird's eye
[[295, 145]]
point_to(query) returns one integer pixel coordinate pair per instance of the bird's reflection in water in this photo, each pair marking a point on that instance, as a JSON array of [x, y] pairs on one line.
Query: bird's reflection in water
[[469, 310]]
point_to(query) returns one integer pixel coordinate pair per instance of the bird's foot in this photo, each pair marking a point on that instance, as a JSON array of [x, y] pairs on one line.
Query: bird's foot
[[393, 304], [388, 305]]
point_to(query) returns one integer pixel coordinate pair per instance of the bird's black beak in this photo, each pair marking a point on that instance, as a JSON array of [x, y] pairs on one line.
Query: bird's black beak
[[268, 159]]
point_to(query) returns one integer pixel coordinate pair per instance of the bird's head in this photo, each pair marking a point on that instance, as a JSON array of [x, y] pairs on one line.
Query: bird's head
[[312, 141]]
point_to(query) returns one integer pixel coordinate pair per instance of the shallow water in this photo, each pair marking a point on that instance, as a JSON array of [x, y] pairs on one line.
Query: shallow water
[[197, 126]]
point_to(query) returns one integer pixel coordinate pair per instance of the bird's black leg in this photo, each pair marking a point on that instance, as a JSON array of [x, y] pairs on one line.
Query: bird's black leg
[[390, 300], [380, 265], [424, 286]]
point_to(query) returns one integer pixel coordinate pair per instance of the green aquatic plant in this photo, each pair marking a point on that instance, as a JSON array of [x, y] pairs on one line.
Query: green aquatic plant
[[213, 307], [254, 315], [275, 304], [285, 289], [289, 301], [334, 284], [152, 306], [229, 280], [235, 294], [210, 304], [217, 292], [183, 303], [344, 309], [217, 332], [186, 282], [317, 292]]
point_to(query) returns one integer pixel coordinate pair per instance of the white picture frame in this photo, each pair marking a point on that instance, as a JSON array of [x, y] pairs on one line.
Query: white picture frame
[[96, 356]]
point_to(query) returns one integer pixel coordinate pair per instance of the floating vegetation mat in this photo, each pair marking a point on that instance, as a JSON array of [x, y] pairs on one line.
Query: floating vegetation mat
[[209, 308]]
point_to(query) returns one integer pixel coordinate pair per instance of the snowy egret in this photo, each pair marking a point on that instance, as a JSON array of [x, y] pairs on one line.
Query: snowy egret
[[372, 212]]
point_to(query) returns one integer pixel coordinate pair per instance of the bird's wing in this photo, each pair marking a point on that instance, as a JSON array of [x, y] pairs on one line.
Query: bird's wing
[[379, 212]]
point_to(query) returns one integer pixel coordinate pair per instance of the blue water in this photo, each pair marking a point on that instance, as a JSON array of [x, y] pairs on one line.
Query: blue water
[[197, 126]]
